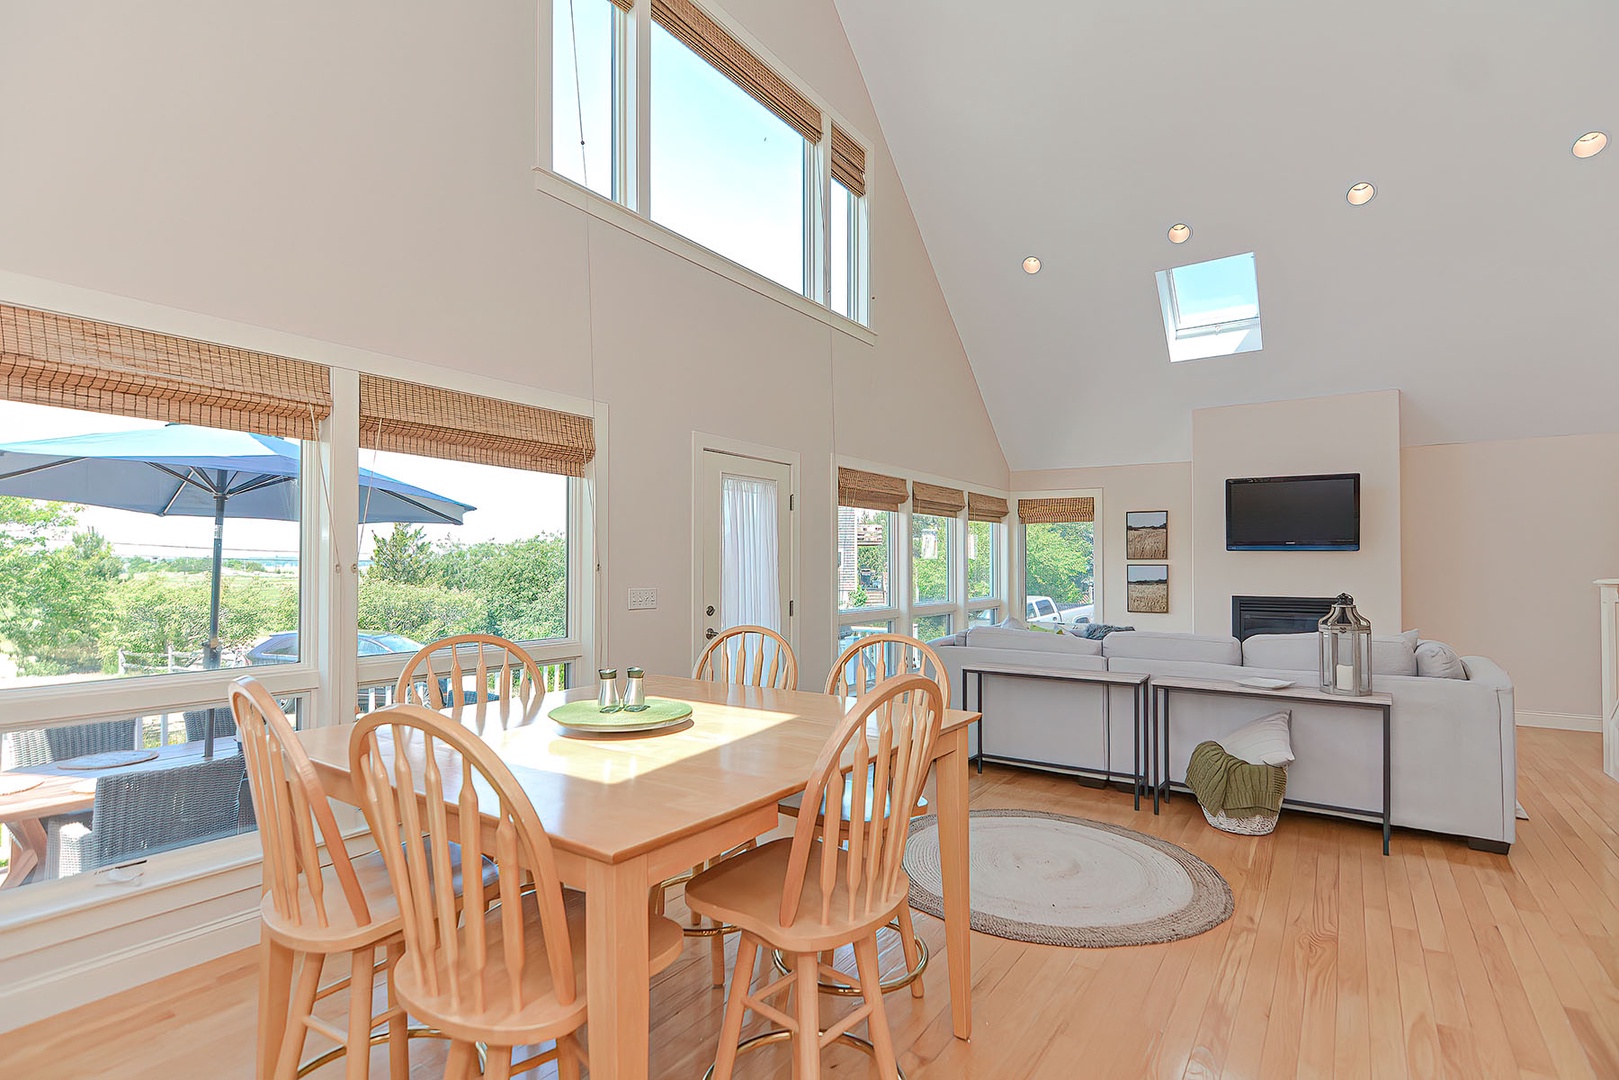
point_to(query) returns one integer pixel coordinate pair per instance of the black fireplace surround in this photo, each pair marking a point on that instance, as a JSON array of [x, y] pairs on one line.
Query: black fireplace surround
[[1252, 615]]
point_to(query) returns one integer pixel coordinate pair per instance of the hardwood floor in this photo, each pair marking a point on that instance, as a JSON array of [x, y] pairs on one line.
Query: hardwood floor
[[1436, 962]]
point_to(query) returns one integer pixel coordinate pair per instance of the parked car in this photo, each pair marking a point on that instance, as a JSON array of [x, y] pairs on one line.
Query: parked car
[[283, 648], [1041, 611]]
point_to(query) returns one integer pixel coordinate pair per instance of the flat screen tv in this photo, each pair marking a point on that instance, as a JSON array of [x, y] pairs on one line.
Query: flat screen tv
[[1293, 513]]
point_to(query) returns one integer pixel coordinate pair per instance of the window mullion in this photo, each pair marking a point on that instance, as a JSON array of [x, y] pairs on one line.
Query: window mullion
[[335, 640], [639, 129]]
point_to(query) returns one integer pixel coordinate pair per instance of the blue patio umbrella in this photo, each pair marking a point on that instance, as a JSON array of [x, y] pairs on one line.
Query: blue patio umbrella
[[183, 471]]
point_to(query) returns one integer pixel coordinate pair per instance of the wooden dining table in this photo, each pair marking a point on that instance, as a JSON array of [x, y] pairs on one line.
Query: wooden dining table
[[625, 812]]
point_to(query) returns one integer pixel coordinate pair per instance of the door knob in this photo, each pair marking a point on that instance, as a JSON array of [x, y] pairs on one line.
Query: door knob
[[711, 633], [711, 611]]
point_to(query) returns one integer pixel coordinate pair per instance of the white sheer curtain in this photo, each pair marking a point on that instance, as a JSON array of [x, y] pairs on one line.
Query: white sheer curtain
[[750, 561]]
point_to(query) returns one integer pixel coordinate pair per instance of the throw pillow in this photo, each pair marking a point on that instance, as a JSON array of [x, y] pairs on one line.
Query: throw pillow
[[1012, 622], [1436, 660], [1266, 741], [1097, 631]]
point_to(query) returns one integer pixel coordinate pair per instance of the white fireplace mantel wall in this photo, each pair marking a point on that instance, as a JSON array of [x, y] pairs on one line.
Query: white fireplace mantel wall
[[1610, 675]]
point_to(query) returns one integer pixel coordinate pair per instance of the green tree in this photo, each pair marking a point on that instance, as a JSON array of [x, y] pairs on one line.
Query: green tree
[[1058, 561], [404, 555], [421, 612], [57, 587]]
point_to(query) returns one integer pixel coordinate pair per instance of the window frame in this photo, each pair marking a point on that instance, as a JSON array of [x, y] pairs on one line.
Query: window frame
[[1019, 600], [906, 611], [1207, 340], [629, 208]]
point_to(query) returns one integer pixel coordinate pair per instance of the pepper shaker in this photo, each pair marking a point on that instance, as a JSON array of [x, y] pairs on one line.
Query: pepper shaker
[[607, 691], [635, 690]]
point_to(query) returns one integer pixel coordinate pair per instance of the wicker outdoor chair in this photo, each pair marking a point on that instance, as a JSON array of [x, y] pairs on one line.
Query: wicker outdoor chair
[[197, 724], [149, 810], [41, 746]]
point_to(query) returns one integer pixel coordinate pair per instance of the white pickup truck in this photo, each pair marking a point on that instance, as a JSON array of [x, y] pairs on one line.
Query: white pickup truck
[[1042, 611]]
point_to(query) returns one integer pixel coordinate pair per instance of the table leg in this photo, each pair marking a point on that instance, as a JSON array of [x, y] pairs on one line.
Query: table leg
[[27, 851], [1388, 800], [952, 774], [275, 998], [1137, 718], [618, 983]]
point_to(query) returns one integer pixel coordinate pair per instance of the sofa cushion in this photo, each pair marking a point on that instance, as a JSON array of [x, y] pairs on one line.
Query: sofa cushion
[[1266, 741], [1148, 645], [1436, 660], [996, 637], [1302, 652], [1012, 622]]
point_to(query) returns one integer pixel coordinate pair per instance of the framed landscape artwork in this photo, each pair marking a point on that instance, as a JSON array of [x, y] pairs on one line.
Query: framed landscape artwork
[[1147, 588], [1146, 534]]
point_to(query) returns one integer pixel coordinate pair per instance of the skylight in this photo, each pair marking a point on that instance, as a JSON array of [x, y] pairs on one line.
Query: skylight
[[1210, 308]]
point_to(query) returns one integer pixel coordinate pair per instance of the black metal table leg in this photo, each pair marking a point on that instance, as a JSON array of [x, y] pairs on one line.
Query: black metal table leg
[[1388, 800], [1136, 720]]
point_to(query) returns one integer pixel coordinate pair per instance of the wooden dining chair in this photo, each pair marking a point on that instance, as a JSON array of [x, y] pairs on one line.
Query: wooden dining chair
[[515, 977], [862, 666], [313, 910], [812, 893], [749, 656], [740, 656], [437, 678]]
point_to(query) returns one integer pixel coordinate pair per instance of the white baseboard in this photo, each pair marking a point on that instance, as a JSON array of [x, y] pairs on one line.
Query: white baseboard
[[69, 986], [1558, 721]]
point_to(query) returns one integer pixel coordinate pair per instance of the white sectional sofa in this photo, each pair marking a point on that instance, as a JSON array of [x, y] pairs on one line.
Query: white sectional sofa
[[1453, 741]]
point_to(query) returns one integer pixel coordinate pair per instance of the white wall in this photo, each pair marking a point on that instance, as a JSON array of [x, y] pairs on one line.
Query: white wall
[[361, 174], [1351, 433], [1125, 488], [1502, 542]]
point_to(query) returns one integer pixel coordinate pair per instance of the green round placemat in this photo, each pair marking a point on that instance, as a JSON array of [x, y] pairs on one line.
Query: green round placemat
[[585, 714]]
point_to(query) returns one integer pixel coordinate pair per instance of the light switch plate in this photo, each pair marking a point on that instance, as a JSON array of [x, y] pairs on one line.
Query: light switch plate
[[643, 599]]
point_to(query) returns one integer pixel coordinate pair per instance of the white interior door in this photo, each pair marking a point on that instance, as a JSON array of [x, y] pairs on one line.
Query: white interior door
[[745, 545]]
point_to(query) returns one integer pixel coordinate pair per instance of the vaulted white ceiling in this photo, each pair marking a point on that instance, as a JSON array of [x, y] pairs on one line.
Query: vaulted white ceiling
[[1482, 281]]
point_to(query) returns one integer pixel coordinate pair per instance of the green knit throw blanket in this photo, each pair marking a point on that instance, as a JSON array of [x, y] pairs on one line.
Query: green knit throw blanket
[[1229, 785]]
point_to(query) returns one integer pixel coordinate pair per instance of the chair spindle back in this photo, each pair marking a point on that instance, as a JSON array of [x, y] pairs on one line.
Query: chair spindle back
[[872, 659], [906, 712], [424, 776], [749, 656], [289, 802], [509, 685]]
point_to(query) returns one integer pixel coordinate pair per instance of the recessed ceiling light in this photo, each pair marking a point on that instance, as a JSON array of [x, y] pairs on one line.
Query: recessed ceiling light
[[1031, 265], [1590, 144], [1361, 194], [1180, 233]]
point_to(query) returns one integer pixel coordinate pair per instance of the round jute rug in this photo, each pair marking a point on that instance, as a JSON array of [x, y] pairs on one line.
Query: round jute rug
[[1057, 880]]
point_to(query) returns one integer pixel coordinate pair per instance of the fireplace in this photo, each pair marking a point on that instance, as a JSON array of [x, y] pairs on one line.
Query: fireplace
[[1252, 615]]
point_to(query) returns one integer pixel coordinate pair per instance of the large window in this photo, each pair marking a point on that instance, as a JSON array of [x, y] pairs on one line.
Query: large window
[[1059, 574], [194, 519], [729, 154], [108, 527], [503, 569], [726, 171]]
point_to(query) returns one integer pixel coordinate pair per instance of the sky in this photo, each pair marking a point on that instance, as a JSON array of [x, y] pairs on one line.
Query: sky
[[511, 503], [726, 172], [1220, 290]]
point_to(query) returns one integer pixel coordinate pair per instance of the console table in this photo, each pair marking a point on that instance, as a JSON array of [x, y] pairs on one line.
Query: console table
[[1610, 675], [1138, 698], [1164, 687]]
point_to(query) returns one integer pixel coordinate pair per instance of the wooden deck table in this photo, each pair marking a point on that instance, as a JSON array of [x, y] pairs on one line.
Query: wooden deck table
[[62, 791], [626, 812]]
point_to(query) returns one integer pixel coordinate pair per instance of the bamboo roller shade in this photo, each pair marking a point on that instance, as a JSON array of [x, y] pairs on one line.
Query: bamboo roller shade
[[1043, 511], [933, 499], [871, 491], [624, 5], [986, 507], [71, 363], [848, 161], [705, 37], [409, 418]]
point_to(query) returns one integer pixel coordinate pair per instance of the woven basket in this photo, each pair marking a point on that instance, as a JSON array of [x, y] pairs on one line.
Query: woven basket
[[1258, 825]]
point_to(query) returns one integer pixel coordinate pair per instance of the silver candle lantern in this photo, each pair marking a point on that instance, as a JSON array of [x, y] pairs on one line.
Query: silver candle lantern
[[1346, 649]]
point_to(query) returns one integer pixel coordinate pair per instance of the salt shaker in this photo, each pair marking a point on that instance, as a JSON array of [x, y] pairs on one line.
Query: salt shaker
[[635, 690], [607, 690]]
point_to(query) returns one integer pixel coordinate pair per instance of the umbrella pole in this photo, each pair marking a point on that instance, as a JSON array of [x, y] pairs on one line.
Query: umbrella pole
[[211, 647]]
